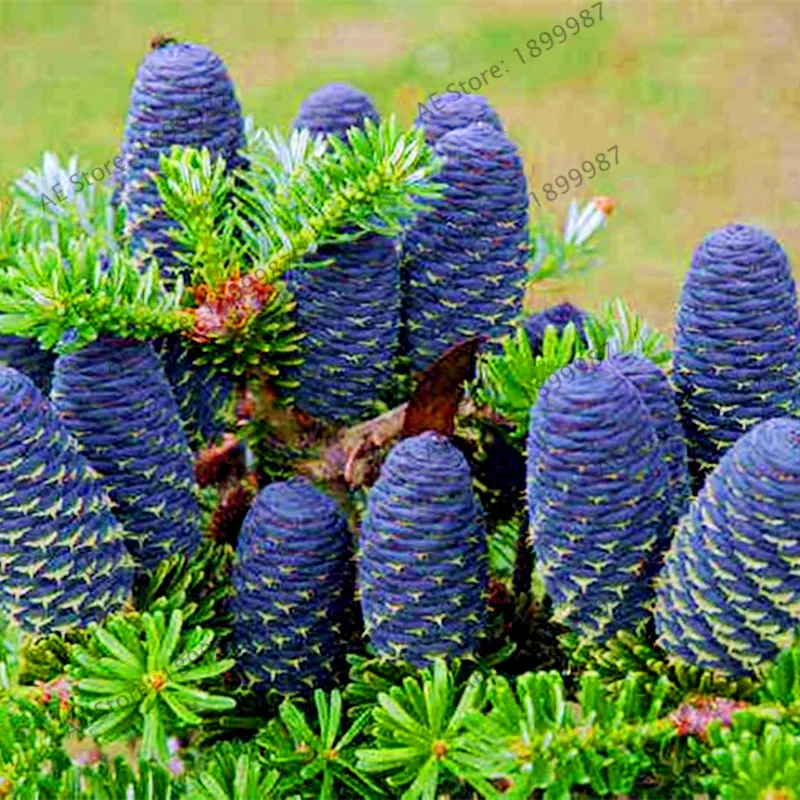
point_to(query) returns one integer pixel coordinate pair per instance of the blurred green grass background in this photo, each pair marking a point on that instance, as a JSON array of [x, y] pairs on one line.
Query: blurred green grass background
[[702, 99]]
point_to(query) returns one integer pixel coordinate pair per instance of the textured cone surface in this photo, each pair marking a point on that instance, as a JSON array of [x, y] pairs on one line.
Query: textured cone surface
[[201, 397], [661, 404], [466, 257], [559, 317], [453, 110], [350, 310], [422, 567], [62, 557], [294, 587], [26, 356], [729, 593], [335, 108], [597, 499], [182, 95], [737, 341], [114, 399]]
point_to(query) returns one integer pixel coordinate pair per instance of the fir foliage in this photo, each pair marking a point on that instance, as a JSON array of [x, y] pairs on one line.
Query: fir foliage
[[142, 674], [376, 182], [510, 380], [318, 761], [231, 772], [67, 298], [569, 253], [421, 743]]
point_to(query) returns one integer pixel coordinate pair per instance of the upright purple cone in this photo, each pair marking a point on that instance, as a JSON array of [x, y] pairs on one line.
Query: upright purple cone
[[422, 567], [737, 342], [350, 310], [334, 108], [559, 317], [447, 112], [464, 260], [64, 562], [294, 589], [597, 500], [182, 95], [113, 397], [729, 594], [662, 407]]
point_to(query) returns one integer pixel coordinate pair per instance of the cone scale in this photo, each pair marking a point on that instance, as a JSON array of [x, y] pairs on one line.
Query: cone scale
[[114, 399], [422, 571], [597, 500], [294, 588], [465, 258], [729, 593], [62, 558]]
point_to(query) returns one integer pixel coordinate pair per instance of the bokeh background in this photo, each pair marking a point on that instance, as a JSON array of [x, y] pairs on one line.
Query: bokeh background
[[702, 98]]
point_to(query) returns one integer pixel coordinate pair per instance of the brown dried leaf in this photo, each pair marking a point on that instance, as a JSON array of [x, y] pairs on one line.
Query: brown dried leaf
[[435, 402]]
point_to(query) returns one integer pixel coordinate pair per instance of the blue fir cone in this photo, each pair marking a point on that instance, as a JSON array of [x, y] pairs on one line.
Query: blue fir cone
[[26, 356], [422, 567], [293, 579], [334, 108], [182, 95], [451, 110], [729, 594], [201, 397], [662, 406], [737, 341], [63, 559], [465, 258], [597, 500], [559, 317], [114, 399], [350, 310]]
